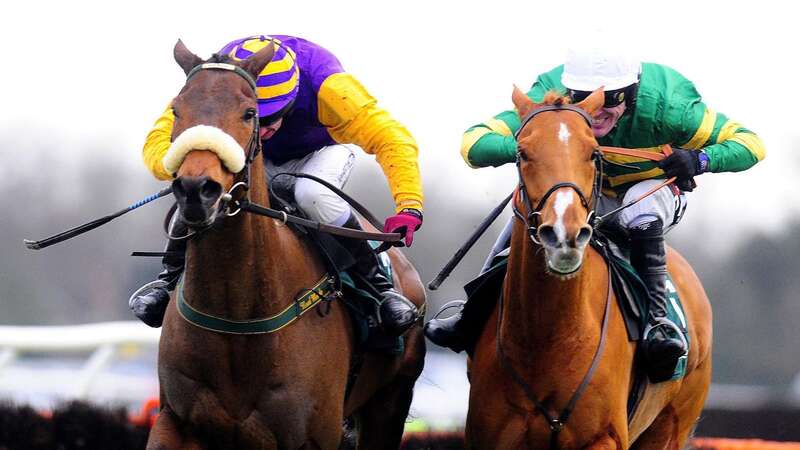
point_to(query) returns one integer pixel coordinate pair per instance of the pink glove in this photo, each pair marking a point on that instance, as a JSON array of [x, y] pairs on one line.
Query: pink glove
[[406, 222]]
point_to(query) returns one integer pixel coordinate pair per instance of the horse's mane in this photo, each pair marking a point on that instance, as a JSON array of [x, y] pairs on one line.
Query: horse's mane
[[555, 98]]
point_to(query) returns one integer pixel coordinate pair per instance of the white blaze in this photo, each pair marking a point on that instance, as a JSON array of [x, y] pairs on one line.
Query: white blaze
[[563, 200], [563, 133]]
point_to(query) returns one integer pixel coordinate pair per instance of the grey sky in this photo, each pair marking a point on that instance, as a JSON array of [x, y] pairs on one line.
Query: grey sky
[[103, 72]]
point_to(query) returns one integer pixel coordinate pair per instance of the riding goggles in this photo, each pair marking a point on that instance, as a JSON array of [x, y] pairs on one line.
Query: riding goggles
[[612, 98]]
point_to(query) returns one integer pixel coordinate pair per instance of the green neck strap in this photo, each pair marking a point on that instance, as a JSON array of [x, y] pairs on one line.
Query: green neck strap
[[323, 290]]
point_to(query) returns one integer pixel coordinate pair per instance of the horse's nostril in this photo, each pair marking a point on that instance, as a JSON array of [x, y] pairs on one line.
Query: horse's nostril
[[583, 236], [547, 235], [177, 188], [210, 190]]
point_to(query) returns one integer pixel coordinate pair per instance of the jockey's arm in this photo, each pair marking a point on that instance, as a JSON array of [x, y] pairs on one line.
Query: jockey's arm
[[730, 147], [492, 142], [352, 116], [157, 144]]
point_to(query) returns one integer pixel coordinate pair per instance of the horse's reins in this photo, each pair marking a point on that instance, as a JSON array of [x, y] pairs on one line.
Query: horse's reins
[[558, 421]]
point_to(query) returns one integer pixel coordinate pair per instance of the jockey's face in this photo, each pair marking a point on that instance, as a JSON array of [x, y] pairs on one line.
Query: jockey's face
[[266, 132], [605, 118]]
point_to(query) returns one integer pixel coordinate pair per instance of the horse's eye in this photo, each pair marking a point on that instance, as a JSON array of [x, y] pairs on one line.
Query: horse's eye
[[522, 156], [175, 113], [249, 114]]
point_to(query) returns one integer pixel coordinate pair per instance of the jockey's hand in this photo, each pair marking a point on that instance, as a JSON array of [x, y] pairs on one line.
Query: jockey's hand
[[406, 222], [685, 165]]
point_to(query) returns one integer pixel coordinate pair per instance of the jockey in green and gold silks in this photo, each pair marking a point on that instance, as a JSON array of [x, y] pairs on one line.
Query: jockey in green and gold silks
[[313, 116], [646, 105], [667, 110]]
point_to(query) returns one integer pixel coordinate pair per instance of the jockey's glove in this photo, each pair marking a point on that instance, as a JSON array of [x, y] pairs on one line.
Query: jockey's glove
[[406, 222], [684, 165]]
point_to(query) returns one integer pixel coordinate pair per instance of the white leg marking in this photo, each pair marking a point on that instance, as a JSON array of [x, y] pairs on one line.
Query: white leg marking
[[563, 200], [563, 133]]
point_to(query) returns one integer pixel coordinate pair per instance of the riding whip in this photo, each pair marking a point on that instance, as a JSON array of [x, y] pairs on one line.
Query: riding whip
[[434, 285], [71, 233]]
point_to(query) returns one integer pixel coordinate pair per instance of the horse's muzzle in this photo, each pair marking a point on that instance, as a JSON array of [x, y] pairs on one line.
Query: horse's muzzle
[[197, 199]]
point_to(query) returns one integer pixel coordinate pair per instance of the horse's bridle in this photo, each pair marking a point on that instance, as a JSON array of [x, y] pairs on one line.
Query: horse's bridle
[[531, 220], [241, 186]]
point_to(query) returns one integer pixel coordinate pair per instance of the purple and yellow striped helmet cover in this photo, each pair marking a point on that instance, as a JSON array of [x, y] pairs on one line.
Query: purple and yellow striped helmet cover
[[278, 83]]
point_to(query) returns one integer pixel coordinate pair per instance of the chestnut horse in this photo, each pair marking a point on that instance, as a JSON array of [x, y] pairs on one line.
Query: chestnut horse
[[279, 390], [541, 355]]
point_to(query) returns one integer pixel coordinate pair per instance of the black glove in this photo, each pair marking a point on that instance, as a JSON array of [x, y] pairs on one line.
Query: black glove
[[684, 164]]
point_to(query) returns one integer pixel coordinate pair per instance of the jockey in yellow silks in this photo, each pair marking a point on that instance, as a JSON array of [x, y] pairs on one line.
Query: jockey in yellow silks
[[646, 105], [314, 116]]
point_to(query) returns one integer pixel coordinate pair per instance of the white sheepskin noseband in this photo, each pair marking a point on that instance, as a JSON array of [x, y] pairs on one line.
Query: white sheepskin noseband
[[205, 137]]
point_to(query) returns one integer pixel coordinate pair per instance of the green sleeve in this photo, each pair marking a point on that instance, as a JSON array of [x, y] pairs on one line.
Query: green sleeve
[[493, 149], [730, 146], [492, 143]]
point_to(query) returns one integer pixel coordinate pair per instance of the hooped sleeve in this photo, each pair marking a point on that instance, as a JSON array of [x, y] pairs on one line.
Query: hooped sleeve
[[352, 116], [492, 142], [730, 146], [157, 144]]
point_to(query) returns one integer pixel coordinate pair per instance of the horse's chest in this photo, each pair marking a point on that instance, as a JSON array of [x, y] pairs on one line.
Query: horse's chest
[[244, 412]]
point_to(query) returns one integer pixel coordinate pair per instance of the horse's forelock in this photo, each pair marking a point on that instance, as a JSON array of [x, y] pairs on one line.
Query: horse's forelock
[[220, 58], [556, 99]]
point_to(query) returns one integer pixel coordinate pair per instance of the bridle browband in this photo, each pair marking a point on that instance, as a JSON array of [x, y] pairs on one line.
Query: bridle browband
[[531, 221]]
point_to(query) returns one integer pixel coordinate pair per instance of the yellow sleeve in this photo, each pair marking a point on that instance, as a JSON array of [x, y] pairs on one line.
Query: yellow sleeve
[[352, 116], [157, 143]]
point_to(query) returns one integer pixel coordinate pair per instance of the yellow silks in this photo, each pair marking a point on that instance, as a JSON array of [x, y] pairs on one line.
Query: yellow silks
[[352, 116]]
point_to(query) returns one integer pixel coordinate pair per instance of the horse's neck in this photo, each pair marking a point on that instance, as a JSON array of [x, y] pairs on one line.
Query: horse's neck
[[243, 269], [540, 310]]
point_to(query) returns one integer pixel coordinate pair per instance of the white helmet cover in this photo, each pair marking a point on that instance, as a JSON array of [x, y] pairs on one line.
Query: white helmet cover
[[590, 68]]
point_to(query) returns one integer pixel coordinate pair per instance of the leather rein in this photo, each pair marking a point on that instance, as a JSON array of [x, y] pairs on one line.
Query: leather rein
[[558, 421]]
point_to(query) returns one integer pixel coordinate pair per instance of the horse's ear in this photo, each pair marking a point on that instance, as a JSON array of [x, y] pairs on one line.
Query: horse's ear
[[522, 102], [593, 102], [186, 59], [256, 63]]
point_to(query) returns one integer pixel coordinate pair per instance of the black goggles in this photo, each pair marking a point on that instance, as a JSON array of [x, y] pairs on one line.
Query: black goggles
[[612, 98]]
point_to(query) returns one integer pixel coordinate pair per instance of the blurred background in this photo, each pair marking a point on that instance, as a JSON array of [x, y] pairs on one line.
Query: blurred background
[[82, 84]]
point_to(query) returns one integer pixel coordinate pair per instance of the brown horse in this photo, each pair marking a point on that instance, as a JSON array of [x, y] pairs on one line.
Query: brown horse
[[281, 390], [540, 343]]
